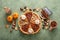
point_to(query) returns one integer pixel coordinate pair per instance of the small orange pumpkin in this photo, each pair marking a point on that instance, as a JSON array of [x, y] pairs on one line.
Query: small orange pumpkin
[[15, 15], [10, 18]]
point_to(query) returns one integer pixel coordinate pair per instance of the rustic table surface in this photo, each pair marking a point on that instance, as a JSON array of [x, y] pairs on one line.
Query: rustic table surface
[[53, 5]]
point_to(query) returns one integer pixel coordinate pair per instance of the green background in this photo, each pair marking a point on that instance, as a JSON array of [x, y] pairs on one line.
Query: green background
[[53, 5]]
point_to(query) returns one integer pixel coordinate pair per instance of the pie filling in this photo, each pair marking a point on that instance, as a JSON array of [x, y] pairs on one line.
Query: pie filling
[[25, 27], [29, 15], [35, 27]]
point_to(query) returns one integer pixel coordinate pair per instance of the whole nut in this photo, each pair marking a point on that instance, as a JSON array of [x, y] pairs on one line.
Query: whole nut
[[34, 9], [46, 27], [16, 28], [25, 7], [11, 30], [21, 9], [30, 9], [7, 26], [13, 27]]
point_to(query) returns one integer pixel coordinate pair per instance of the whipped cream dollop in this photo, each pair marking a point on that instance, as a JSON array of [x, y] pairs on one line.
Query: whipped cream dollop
[[23, 17], [30, 30], [37, 21]]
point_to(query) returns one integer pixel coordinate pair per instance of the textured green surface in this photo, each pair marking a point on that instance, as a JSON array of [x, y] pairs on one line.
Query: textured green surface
[[53, 5]]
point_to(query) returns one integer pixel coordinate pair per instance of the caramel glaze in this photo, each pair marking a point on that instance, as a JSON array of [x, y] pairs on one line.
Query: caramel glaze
[[29, 15], [25, 27]]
